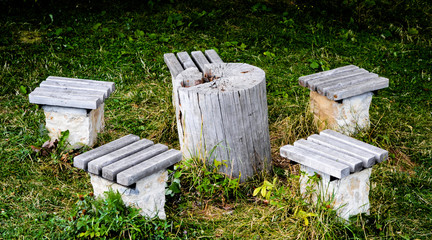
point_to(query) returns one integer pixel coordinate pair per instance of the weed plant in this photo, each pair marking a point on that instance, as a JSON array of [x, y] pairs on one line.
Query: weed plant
[[124, 42]]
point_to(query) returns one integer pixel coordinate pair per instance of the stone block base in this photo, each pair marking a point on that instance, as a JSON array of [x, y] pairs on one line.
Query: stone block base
[[347, 117], [147, 195], [83, 124], [348, 196]]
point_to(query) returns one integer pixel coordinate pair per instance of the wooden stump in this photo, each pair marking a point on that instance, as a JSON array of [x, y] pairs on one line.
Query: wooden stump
[[225, 119]]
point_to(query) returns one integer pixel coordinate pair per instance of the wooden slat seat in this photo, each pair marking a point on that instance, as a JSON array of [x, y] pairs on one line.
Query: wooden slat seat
[[181, 61], [334, 153], [344, 82], [72, 92], [127, 160]]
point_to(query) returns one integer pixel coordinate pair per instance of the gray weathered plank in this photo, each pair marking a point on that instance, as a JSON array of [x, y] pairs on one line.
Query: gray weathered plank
[[312, 84], [367, 158], [146, 168], [58, 99], [110, 85], [95, 166], [355, 164], [82, 160], [357, 89], [199, 59], [89, 86], [185, 60], [212, 56], [380, 154], [173, 64], [345, 82], [303, 81], [74, 86], [70, 92], [110, 171], [315, 161]]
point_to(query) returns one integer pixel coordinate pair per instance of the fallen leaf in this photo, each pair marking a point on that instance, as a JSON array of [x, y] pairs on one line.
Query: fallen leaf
[[35, 149]]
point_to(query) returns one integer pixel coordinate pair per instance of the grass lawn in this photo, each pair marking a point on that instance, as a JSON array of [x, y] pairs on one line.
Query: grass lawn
[[124, 42]]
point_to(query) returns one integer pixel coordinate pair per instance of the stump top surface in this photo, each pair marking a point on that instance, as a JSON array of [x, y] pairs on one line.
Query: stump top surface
[[127, 159], [343, 82], [71, 92], [334, 153], [225, 77]]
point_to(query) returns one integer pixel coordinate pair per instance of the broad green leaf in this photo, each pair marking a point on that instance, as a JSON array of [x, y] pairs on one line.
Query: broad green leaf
[[314, 65], [23, 89], [268, 195], [96, 26], [267, 183], [263, 191], [256, 191]]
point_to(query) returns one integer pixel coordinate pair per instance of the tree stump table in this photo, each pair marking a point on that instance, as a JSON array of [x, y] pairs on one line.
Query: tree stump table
[[222, 115]]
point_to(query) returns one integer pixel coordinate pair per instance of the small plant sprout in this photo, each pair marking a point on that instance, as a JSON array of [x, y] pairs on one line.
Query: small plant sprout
[[303, 215], [266, 189]]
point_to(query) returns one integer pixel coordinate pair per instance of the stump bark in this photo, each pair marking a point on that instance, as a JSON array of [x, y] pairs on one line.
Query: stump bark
[[225, 119]]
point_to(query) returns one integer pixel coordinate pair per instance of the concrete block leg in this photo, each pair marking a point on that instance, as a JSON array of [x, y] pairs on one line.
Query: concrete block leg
[[83, 124], [348, 196], [148, 194], [347, 116]]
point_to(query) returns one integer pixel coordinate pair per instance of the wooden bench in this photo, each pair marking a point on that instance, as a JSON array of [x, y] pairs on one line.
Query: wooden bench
[[73, 104], [340, 98], [344, 165], [135, 168]]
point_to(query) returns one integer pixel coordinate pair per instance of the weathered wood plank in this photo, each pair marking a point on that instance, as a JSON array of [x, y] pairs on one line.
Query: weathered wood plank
[[70, 92], [75, 86], [303, 81], [95, 166], [110, 85], [315, 161], [199, 59], [58, 99], [146, 168], [355, 164], [82, 160], [357, 89], [367, 158], [173, 64], [110, 171], [312, 84], [185, 60], [212, 56], [380, 154], [344, 82], [71, 83]]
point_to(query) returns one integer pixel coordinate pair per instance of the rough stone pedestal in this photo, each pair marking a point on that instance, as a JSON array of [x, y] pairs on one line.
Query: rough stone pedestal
[[147, 195], [348, 196], [346, 116], [83, 124]]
